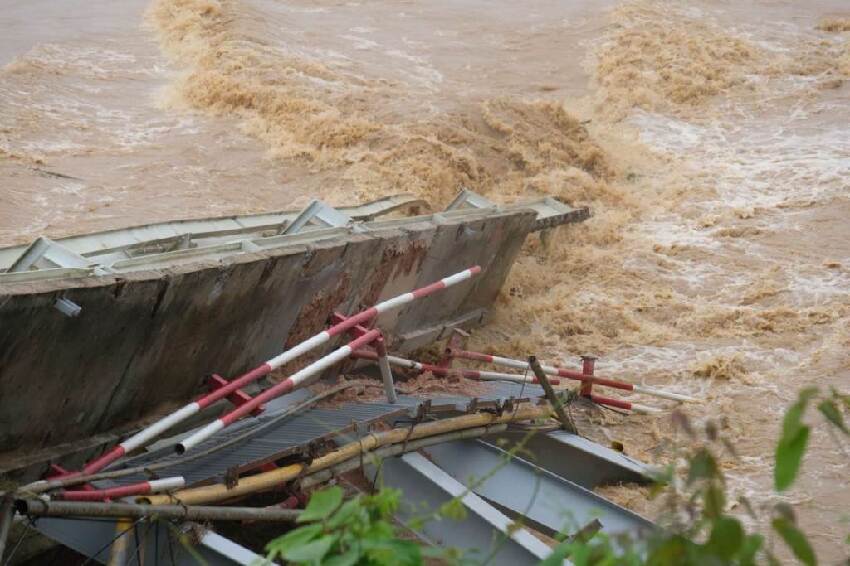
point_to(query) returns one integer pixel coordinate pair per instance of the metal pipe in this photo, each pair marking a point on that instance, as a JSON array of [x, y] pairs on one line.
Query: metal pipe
[[570, 374], [588, 367], [292, 383], [620, 404], [386, 371], [149, 433], [141, 488], [119, 553], [396, 449], [38, 507], [442, 371], [274, 478]]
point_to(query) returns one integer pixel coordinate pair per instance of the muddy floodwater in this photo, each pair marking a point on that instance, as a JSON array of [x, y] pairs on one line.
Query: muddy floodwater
[[710, 139]]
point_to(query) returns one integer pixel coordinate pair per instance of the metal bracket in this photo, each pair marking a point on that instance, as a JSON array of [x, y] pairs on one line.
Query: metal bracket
[[67, 307], [457, 341], [422, 411], [470, 199], [319, 213], [427, 486], [237, 398], [44, 253], [550, 211]]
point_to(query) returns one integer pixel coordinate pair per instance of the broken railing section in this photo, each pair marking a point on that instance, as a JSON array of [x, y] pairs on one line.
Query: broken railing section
[[139, 247], [293, 382], [447, 372], [110, 493], [245, 404], [550, 211], [586, 377]]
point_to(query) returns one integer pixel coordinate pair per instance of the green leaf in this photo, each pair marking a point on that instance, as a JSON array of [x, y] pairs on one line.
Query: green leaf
[[453, 509], [830, 410], [312, 551], [670, 550], [322, 504], [558, 555], [715, 501], [347, 558], [792, 421], [747, 554], [346, 514], [293, 539], [384, 503], [394, 552], [702, 466], [796, 541], [726, 538], [379, 530], [789, 456], [792, 444]]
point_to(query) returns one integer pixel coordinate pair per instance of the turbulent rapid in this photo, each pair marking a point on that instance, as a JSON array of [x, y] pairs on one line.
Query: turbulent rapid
[[709, 140]]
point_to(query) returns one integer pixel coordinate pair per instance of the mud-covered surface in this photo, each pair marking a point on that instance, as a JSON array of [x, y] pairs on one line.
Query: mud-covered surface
[[710, 141]]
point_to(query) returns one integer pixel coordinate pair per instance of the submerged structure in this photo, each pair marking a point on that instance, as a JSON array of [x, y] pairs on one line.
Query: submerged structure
[[106, 341]]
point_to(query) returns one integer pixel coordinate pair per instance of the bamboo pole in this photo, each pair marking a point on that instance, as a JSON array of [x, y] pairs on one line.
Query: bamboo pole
[[37, 507], [119, 554], [274, 478], [396, 449], [566, 422]]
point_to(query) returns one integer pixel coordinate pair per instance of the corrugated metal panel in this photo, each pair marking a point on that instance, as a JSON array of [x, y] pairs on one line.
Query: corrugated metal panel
[[287, 436], [292, 434]]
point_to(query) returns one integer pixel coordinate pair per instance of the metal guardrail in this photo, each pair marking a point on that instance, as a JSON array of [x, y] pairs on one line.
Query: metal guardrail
[[161, 245]]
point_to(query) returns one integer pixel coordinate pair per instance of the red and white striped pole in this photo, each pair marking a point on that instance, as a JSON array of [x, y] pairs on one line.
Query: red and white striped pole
[[147, 434], [293, 382], [141, 488], [443, 371], [493, 376], [627, 405], [570, 374]]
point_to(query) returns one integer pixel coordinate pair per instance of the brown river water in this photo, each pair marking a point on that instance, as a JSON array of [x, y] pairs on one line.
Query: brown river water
[[711, 140]]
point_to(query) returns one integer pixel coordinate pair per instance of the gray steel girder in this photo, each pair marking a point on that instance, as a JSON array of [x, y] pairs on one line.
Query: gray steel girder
[[160, 542], [525, 490], [576, 459], [426, 487]]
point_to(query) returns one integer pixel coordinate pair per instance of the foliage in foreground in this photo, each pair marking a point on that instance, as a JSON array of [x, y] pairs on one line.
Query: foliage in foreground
[[358, 531], [697, 529]]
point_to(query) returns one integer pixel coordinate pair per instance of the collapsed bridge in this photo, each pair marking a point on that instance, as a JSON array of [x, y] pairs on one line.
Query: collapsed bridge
[[105, 336]]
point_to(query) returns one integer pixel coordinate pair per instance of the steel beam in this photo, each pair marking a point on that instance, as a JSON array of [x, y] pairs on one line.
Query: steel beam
[[318, 213], [159, 542], [228, 549], [576, 459], [485, 530], [525, 490]]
